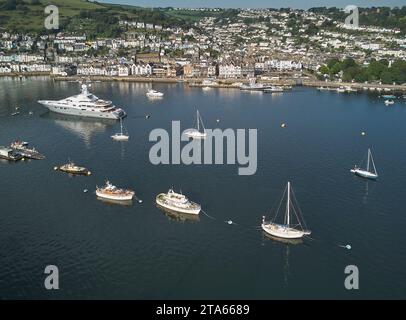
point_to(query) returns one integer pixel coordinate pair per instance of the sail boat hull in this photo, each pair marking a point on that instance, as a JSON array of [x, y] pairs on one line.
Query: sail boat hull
[[119, 137], [284, 232], [365, 174], [195, 134]]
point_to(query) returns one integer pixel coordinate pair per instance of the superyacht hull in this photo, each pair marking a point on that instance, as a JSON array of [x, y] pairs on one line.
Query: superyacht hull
[[84, 113]]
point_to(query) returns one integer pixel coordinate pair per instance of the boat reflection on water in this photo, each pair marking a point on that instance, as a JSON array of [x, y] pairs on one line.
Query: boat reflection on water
[[85, 128], [127, 203], [176, 216]]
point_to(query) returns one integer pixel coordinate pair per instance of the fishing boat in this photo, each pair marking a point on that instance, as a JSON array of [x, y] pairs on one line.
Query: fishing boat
[[29, 153], [121, 136], [197, 133], [287, 230], [177, 202], [71, 168], [370, 172], [154, 94], [9, 154], [273, 89], [111, 192], [389, 102]]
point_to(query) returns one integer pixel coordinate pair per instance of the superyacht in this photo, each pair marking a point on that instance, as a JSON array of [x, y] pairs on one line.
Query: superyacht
[[85, 104]]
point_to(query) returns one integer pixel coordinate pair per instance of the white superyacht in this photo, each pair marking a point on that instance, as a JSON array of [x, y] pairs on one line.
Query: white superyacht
[[85, 104], [177, 202]]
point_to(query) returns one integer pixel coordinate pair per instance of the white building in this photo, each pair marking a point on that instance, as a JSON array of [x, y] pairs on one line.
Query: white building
[[123, 71], [229, 71], [141, 70], [4, 69]]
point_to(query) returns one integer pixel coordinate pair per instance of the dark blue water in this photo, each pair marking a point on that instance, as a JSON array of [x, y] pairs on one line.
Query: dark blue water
[[110, 251]]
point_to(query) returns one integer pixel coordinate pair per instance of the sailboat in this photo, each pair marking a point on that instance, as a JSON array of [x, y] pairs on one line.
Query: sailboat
[[370, 172], [287, 230], [197, 133], [121, 136]]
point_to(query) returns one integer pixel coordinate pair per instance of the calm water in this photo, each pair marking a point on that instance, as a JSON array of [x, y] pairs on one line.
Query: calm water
[[110, 251]]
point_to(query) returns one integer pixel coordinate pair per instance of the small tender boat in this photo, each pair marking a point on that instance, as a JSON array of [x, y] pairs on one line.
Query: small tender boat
[[71, 168], [15, 113], [177, 202], [9, 154], [111, 192], [154, 94], [287, 230], [29, 153], [197, 133], [370, 172], [121, 136], [389, 102], [341, 90], [389, 96]]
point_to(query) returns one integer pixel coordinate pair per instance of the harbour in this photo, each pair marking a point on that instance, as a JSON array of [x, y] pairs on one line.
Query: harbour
[[137, 251]]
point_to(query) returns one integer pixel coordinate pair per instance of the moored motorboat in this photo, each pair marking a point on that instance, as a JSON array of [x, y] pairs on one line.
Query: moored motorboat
[[111, 192], [273, 89], [71, 168], [177, 202], [154, 94], [29, 153], [85, 104], [389, 102], [9, 154]]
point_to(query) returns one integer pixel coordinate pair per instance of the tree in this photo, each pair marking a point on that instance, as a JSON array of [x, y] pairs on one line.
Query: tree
[[324, 69]]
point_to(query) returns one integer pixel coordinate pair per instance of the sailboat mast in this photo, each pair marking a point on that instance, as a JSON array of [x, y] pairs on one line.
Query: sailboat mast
[[288, 206], [198, 120], [369, 159], [121, 125]]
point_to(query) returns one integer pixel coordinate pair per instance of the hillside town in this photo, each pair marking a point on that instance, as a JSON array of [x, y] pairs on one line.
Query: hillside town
[[255, 43]]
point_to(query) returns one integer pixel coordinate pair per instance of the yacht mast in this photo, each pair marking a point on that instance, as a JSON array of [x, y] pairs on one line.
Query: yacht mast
[[369, 159], [198, 121], [288, 205]]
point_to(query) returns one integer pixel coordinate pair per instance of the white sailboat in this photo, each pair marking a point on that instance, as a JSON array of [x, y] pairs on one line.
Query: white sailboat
[[370, 172], [287, 230], [197, 133], [121, 136]]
